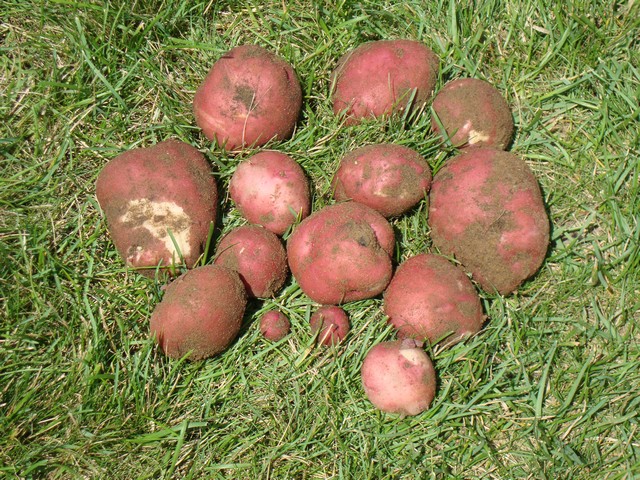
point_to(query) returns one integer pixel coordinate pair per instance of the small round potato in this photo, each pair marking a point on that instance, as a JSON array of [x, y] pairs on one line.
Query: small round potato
[[388, 178], [274, 325], [398, 377], [249, 97], [258, 256], [341, 253], [473, 113], [383, 77], [272, 190], [200, 314], [330, 323]]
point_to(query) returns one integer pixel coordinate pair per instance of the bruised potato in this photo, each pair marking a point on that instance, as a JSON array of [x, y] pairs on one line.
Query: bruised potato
[[398, 377], [430, 299], [341, 253], [486, 209], [472, 113], [383, 77], [159, 203], [200, 314], [258, 256], [388, 178], [249, 97], [272, 190]]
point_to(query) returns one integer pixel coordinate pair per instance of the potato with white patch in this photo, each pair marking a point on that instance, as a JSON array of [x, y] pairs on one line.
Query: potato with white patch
[[159, 203], [472, 113]]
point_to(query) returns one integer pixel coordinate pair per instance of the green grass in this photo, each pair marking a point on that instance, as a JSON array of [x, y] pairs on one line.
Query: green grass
[[549, 389]]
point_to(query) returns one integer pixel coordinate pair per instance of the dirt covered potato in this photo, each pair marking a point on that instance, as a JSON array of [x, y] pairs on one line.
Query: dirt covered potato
[[274, 325], [473, 113], [430, 299], [272, 190], [388, 178], [330, 323], [383, 77], [159, 202], [486, 208], [249, 97], [398, 377], [341, 253], [200, 314], [258, 256]]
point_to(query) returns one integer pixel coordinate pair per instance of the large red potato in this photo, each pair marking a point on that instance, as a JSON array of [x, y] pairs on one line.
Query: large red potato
[[341, 253], [473, 113], [486, 208], [398, 377], [381, 77], [159, 203], [200, 314], [258, 256], [249, 97], [430, 299], [388, 178], [272, 190]]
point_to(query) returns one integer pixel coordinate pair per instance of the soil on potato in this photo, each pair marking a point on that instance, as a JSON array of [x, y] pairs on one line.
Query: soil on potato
[[476, 248]]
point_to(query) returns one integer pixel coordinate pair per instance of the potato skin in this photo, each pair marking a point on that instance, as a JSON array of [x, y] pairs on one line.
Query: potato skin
[[388, 178], [268, 188], [378, 78], [249, 97], [200, 314], [474, 114], [148, 193], [274, 325], [486, 208], [431, 299], [331, 323], [258, 256], [341, 253], [398, 377]]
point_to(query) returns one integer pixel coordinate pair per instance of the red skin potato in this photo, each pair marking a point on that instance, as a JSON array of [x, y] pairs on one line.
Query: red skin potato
[[341, 253], [146, 193], [200, 314], [398, 377], [258, 256], [331, 323], [378, 78], [474, 114], [430, 299], [274, 325], [389, 178], [249, 97], [268, 188], [486, 208]]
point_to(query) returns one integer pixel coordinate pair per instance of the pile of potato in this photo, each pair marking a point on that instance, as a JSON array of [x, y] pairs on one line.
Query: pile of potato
[[485, 211]]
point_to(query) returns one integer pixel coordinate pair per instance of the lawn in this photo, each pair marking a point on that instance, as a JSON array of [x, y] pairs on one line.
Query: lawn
[[548, 389]]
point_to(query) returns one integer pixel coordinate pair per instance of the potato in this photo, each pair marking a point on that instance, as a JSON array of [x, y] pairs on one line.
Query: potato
[[274, 325], [159, 203], [341, 253], [398, 377], [383, 77], [200, 314], [330, 323], [431, 299], [249, 97], [473, 114], [271, 189], [258, 256], [388, 178], [486, 209]]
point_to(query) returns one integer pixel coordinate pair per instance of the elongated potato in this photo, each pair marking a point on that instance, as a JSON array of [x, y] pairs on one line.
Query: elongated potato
[[159, 203], [486, 208]]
